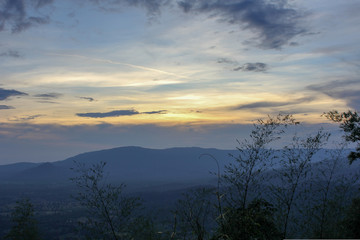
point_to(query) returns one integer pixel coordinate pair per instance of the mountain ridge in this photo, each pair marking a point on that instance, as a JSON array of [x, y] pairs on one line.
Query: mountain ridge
[[128, 164]]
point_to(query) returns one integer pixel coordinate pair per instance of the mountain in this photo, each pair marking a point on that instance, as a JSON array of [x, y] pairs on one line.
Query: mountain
[[7, 171], [148, 168], [130, 165]]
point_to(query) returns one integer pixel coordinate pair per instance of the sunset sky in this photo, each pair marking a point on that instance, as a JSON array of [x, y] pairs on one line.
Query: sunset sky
[[82, 75]]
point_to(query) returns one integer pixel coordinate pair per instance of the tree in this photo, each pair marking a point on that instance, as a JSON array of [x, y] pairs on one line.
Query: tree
[[254, 222], [253, 159], [352, 220], [24, 224], [195, 212], [246, 176], [332, 190], [110, 213], [350, 123], [295, 165]]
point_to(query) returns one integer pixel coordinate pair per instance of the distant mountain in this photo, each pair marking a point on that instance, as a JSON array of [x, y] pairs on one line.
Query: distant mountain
[[128, 164], [144, 168], [9, 170]]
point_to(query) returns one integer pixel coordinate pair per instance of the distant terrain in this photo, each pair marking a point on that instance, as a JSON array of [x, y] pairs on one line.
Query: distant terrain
[[133, 165], [158, 176]]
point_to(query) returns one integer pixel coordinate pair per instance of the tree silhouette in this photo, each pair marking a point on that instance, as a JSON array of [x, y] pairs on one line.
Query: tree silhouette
[[24, 224], [254, 222], [110, 213], [245, 175], [350, 123]]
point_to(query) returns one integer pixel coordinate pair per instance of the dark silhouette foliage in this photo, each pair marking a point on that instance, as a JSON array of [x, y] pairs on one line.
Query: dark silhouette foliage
[[110, 213], [350, 123], [24, 224], [352, 220], [254, 222]]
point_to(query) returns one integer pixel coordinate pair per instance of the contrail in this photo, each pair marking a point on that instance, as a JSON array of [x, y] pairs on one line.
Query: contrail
[[121, 63]]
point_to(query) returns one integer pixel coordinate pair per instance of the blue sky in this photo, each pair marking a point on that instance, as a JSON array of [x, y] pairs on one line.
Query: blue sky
[[83, 75]]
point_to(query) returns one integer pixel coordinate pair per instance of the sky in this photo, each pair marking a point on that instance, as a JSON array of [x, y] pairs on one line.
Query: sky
[[83, 75]]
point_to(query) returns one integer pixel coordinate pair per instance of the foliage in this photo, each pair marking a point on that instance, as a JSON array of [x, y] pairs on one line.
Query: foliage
[[253, 159], [24, 224], [295, 167], [110, 213], [253, 222], [194, 212], [352, 220], [331, 192], [350, 123]]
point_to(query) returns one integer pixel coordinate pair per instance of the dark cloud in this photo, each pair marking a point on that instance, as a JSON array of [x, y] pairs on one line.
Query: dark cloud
[[10, 53], [153, 7], [252, 67], [4, 93], [271, 104], [44, 101], [48, 95], [348, 90], [274, 22], [25, 118], [227, 60], [155, 112], [42, 3], [17, 15], [2, 107], [118, 113], [90, 99], [14, 14]]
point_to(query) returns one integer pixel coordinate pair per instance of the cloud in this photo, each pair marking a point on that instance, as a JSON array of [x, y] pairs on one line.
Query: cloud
[[90, 99], [2, 107], [155, 112], [18, 15], [42, 3], [252, 67], [48, 95], [25, 118], [347, 90], [227, 60], [117, 113], [4, 93], [274, 22], [109, 114], [10, 53], [45, 101], [271, 104], [153, 7], [14, 14]]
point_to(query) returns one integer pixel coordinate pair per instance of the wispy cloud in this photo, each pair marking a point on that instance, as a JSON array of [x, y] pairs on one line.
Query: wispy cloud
[[14, 14], [10, 53], [90, 99], [2, 107], [117, 113], [25, 118], [155, 112], [271, 104], [252, 67], [347, 90], [275, 23], [122, 63], [227, 61], [48, 95], [4, 93], [153, 7]]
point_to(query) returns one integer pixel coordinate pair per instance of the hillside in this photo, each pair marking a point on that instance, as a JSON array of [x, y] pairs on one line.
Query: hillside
[[128, 164]]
